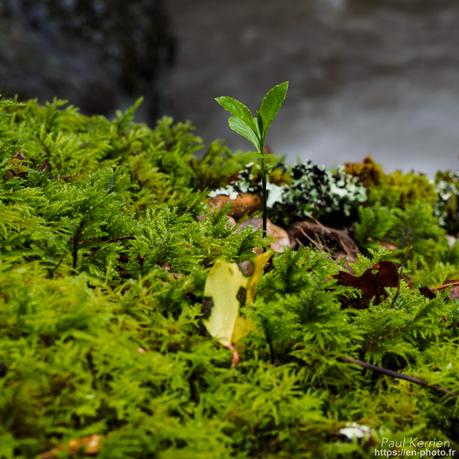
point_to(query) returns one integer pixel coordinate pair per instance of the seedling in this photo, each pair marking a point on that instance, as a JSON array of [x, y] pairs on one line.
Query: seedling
[[255, 128]]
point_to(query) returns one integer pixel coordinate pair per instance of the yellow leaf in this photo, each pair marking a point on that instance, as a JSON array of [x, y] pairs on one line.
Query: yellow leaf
[[228, 287], [224, 282], [242, 328], [260, 263]]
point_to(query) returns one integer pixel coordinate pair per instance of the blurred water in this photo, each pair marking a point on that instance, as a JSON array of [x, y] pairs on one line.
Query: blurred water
[[366, 77]]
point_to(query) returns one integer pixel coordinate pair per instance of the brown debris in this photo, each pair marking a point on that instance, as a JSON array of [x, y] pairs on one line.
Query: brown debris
[[372, 282], [453, 284], [324, 238], [431, 292], [19, 166], [428, 293], [388, 245], [44, 166]]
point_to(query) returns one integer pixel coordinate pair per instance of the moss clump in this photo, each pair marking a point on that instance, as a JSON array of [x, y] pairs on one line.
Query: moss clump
[[414, 235], [368, 172], [106, 245], [395, 189], [399, 189]]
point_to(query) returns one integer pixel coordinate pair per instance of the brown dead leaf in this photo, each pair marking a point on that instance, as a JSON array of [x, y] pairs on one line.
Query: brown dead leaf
[[372, 282], [428, 293]]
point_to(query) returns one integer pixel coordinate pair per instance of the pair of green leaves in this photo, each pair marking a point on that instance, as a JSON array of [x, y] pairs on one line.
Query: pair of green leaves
[[254, 128]]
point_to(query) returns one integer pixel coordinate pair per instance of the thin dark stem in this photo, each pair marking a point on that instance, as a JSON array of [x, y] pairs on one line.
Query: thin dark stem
[[264, 192], [395, 374]]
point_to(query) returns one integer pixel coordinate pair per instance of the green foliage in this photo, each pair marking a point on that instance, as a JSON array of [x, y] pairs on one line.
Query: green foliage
[[298, 292], [415, 232], [105, 247], [402, 190], [399, 189], [255, 129], [302, 324], [270, 106]]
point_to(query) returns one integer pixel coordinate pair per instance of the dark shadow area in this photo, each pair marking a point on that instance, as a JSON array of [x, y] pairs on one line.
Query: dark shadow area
[[101, 55]]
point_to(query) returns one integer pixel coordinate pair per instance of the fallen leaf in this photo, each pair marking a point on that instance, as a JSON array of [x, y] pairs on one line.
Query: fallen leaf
[[372, 282], [428, 293], [230, 286], [242, 328], [225, 290], [451, 240], [259, 263]]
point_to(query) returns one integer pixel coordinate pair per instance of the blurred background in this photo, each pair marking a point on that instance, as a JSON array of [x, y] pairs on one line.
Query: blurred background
[[376, 77]]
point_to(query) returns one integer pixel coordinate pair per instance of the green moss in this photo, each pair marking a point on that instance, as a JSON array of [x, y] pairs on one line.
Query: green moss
[[368, 172], [105, 248]]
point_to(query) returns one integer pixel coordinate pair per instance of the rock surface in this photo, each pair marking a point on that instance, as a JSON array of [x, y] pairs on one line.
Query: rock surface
[[281, 240]]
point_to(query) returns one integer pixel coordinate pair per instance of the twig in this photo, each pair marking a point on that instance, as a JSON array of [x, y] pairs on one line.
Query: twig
[[446, 285], [314, 242], [395, 374]]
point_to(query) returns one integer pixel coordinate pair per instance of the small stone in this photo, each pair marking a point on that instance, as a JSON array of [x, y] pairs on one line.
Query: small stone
[[243, 204], [246, 267], [451, 240], [280, 236]]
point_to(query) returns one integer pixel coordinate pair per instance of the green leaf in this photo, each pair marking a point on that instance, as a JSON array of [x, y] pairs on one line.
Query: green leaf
[[272, 102], [240, 127], [237, 109], [252, 157], [260, 125]]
